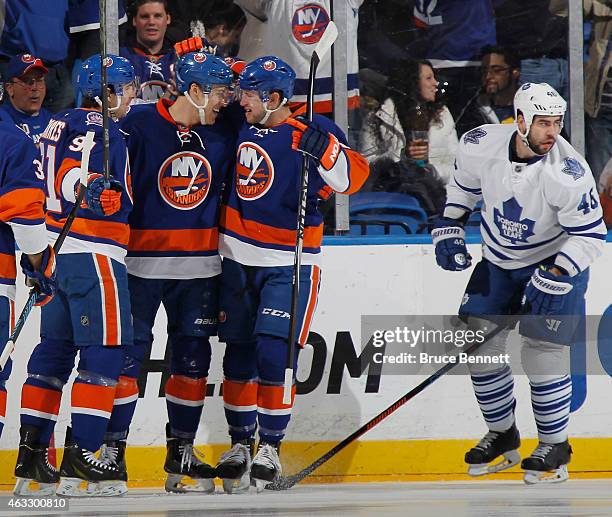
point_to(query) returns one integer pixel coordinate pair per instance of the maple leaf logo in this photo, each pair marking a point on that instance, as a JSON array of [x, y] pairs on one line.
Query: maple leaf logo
[[473, 136], [509, 223], [573, 168]]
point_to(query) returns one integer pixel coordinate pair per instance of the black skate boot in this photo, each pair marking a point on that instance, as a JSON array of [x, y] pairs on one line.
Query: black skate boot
[[266, 467], [80, 465], [182, 461], [234, 466], [547, 463], [113, 453], [33, 465], [493, 445]]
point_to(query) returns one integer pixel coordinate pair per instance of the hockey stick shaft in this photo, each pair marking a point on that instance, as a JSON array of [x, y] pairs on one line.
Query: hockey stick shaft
[[289, 481], [104, 90], [323, 46], [88, 144]]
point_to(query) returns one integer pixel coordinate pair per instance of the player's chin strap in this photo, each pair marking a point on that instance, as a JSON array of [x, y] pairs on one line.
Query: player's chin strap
[[269, 112], [201, 112], [112, 110]]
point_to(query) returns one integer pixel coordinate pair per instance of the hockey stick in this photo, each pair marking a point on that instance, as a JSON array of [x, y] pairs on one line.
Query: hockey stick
[[104, 91], [288, 481], [322, 48], [88, 144]]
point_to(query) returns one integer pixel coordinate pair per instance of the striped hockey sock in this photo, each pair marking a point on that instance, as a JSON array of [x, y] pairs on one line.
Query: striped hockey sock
[[185, 401], [272, 415], [551, 408], [40, 403], [91, 410], [494, 393], [124, 405], [240, 403]]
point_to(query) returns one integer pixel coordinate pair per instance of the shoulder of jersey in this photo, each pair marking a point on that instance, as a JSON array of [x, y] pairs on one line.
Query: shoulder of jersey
[[137, 114], [567, 166], [489, 139], [9, 131]]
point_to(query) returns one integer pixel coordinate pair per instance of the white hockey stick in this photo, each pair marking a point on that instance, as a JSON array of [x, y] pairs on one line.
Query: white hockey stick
[[88, 144], [322, 48]]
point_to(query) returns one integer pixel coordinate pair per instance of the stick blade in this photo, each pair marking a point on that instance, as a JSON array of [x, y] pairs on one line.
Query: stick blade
[[327, 40]]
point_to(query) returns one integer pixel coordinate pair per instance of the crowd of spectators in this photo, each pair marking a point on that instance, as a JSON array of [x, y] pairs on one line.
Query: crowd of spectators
[[427, 71]]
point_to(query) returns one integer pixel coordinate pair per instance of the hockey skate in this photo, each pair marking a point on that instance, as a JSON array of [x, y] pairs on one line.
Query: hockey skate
[[493, 445], [33, 465], [182, 461], [266, 467], [234, 467], [112, 452], [547, 463], [80, 465]]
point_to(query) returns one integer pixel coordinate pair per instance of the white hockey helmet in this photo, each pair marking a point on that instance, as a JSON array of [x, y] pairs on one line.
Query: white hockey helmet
[[533, 99]]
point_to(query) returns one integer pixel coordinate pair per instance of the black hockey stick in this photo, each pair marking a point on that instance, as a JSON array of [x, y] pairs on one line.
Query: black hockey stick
[[286, 482], [322, 48], [88, 144], [104, 90]]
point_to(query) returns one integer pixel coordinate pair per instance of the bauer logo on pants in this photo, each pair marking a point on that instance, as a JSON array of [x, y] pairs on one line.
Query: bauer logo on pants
[[184, 180], [254, 171], [309, 23]]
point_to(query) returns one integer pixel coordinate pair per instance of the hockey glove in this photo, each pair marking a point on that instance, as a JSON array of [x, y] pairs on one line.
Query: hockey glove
[[42, 279], [311, 140], [103, 197], [545, 292], [449, 239]]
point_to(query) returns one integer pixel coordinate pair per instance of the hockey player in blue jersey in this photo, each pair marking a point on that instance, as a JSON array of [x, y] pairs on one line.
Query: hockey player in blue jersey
[[90, 313], [541, 228], [180, 155], [257, 242]]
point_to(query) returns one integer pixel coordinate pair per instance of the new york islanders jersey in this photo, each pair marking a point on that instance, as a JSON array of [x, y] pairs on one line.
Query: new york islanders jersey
[[22, 199], [61, 147], [290, 30], [177, 180], [259, 219], [531, 211], [153, 71], [31, 125]]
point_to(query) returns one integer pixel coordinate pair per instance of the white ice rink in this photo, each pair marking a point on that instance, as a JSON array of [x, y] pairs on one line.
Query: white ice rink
[[455, 499]]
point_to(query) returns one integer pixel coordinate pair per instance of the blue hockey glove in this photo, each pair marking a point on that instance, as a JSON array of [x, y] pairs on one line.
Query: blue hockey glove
[[545, 292], [103, 197], [313, 141], [43, 279], [449, 239]]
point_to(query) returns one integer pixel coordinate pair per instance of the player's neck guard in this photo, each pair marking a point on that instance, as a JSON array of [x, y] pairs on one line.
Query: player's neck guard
[[201, 112]]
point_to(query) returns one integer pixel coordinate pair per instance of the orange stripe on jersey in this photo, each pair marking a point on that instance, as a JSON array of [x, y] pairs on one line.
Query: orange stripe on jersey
[[110, 304], [126, 387], [110, 230], [92, 396], [186, 388], [23, 203], [311, 305], [271, 397], [8, 266], [325, 192], [174, 240], [41, 399], [323, 106], [359, 170], [232, 221], [239, 393]]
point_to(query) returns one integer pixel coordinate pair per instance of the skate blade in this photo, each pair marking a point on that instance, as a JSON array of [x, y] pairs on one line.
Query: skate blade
[[510, 459], [23, 488], [106, 488], [71, 487], [536, 477], [174, 484], [237, 486]]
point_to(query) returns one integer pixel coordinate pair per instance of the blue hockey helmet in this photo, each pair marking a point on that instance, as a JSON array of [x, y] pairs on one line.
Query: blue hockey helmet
[[203, 69], [119, 72], [266, 75]]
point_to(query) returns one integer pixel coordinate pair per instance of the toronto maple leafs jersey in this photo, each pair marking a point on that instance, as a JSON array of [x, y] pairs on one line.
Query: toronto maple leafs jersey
[[153, 71], [22, 198], [259, 219], [61, 153], [547, 207], [177, 177]]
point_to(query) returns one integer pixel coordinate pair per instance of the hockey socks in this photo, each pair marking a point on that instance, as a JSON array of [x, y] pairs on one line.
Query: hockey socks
[[124, 405], [551, 408], [40, 403], [240, 404], [494, 393], [2, 406], [185, 401]]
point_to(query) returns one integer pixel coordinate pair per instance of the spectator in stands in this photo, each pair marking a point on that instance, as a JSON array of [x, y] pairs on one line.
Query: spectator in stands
[[221, 25], [410, 104], [24, 86], [148, 49]]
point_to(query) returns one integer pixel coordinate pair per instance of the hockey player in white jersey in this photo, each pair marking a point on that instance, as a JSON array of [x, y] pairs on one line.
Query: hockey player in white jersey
[[541, 229]]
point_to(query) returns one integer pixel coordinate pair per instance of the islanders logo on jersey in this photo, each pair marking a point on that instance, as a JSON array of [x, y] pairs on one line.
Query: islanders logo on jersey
[[152, 90], [184, 180], [309, 23], [254, 171]]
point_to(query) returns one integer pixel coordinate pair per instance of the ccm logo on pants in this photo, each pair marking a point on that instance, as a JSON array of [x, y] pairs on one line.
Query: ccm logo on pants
[[275, 312]]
